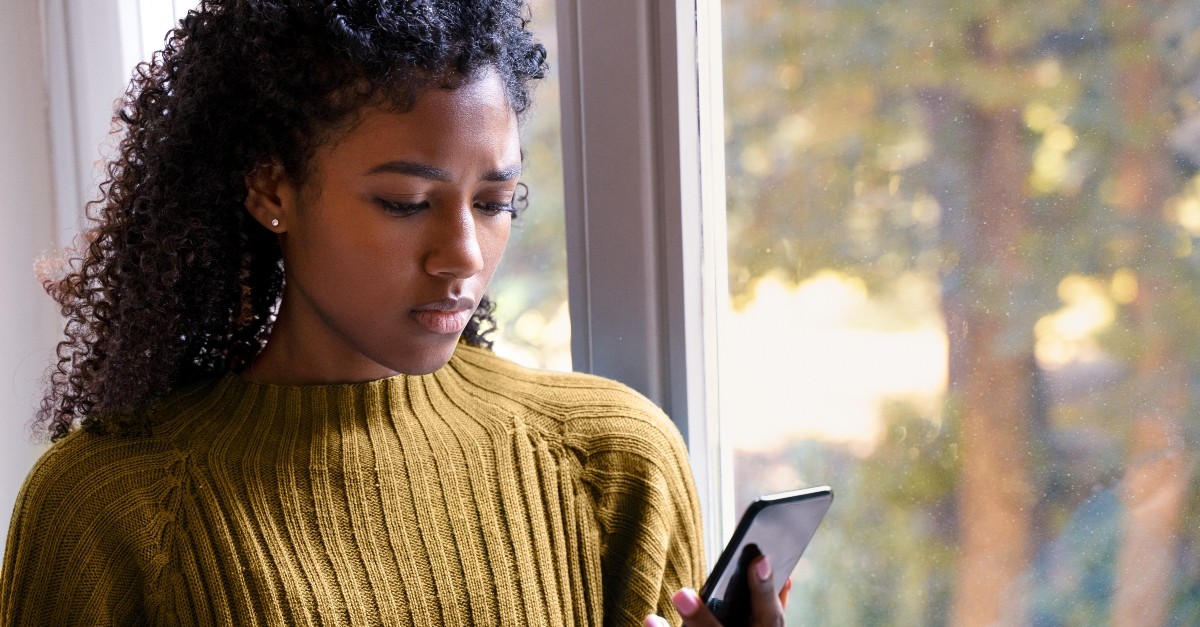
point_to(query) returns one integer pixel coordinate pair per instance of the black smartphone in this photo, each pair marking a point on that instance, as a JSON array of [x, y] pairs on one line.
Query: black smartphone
[[778, 525]]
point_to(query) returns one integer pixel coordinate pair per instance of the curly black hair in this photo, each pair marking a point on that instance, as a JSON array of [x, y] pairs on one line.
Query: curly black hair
[[176, 283]]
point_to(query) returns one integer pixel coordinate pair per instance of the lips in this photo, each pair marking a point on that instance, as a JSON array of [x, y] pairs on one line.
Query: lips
[[444, 317]]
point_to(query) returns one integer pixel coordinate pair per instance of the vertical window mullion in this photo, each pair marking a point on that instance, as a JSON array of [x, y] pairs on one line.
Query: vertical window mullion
[[637, 215]]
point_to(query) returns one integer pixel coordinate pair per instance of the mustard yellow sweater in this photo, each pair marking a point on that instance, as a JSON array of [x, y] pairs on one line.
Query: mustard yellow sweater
[[484, 493]]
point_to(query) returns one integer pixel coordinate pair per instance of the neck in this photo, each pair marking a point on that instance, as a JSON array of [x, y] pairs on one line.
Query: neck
[[288, 359]]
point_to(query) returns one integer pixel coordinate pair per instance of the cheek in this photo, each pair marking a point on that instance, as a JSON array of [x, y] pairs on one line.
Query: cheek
[[493, 242], [377, 261], [341, 258]]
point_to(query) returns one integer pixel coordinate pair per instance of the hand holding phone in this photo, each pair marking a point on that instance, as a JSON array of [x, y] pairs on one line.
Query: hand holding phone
[[779, 526]]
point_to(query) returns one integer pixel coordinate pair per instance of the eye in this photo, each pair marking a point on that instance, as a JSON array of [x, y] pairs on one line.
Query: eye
[[402, 208], [494, 208]]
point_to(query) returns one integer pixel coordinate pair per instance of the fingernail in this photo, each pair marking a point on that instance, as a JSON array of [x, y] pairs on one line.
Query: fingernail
[[654, 620], [763, 569], [686, 601]]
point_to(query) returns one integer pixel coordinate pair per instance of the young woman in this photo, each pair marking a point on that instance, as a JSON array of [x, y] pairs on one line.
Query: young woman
[[276, 351]]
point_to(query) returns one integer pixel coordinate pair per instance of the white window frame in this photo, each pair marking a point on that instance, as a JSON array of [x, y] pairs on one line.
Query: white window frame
[[643, 169]]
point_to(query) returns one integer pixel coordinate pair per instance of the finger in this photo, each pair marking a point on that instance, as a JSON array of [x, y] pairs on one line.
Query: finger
[[693, 610], [764, 602], [783, 594], [654, 620]]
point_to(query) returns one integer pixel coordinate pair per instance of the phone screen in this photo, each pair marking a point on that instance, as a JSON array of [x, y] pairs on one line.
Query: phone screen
[[779, 525]]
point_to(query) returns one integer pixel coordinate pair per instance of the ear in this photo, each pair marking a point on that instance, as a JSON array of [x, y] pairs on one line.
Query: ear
[[269, 196]]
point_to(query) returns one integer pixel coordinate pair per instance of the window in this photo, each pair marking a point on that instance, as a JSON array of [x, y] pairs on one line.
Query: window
[[530, 288], [962, 291], [960, 262]]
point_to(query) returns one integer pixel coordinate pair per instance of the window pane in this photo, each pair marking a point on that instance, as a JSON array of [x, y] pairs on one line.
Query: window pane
[[530, 288], [963, 292]]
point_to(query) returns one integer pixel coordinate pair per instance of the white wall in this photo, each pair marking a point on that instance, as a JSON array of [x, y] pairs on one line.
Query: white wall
[[63, 65], [91, 46], [28, 321]]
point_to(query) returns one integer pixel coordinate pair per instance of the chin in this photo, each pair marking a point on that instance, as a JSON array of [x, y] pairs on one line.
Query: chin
[[423, 361]]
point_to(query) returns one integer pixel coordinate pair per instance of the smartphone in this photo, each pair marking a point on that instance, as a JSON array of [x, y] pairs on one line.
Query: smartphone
[[778, 525]]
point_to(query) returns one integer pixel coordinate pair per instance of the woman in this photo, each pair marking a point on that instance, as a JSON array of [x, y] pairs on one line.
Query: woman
[[276, 352]]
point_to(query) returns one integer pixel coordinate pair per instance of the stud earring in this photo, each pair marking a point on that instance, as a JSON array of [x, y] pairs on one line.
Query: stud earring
[[274, 221]]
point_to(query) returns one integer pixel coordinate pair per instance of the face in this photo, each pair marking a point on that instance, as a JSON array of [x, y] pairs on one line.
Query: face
[[392, 240]]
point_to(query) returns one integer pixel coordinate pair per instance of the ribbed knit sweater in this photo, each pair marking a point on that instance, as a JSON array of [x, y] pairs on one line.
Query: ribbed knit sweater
[[484, 493]]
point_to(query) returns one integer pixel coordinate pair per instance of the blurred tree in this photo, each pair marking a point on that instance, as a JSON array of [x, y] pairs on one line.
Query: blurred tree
[[1005, 148], [1159, 463]]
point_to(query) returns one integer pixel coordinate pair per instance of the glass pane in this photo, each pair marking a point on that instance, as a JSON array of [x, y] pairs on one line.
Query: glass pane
[[530, 288], [963, 292]]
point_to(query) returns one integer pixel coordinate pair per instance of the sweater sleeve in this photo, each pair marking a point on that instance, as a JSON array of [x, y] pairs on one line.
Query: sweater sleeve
[[68, 560], [648, 514]]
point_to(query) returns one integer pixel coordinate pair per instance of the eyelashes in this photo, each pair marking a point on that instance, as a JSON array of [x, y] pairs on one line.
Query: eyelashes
[[495, 209], [402, 208], [412, 208]]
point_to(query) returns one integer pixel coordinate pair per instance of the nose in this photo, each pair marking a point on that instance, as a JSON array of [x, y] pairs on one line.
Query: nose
[[454, 250]]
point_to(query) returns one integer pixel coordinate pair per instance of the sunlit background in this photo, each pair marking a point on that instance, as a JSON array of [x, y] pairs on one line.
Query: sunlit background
[[964, 293]]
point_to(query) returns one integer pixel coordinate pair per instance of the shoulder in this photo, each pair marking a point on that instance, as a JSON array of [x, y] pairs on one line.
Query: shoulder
[[86, 527], [633, 466], [88, 479], [85, 476], [594, 412]]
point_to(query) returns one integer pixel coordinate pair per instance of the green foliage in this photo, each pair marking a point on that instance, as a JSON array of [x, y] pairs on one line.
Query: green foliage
[[856, 142]]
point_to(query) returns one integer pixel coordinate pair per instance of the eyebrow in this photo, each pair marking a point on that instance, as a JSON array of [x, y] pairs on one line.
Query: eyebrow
[[437, 174]]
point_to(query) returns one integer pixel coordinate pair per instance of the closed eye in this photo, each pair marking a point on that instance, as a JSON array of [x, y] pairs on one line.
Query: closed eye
[[494, 208], [402, 208]]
